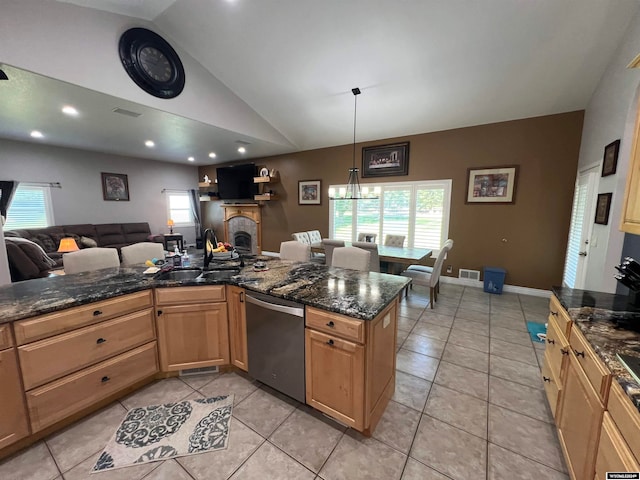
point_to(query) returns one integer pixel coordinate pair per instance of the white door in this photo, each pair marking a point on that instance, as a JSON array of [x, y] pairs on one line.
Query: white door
[[580, 229]]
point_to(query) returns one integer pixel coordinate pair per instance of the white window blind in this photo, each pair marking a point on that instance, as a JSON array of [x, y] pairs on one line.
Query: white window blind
[[417, 210], [179, 208], [575, 233], [30, 207]]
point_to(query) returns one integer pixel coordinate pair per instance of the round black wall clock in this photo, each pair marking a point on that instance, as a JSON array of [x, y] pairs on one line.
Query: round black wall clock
[[151, 62]]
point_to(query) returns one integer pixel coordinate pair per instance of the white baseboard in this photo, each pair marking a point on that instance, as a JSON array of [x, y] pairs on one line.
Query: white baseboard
[[536, 292]]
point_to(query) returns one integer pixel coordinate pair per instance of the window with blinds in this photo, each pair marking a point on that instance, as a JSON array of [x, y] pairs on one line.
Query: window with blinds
[[30, 208], [179, 208], [417, 210]]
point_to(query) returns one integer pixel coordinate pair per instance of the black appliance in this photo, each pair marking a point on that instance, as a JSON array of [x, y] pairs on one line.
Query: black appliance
[[236, 182]]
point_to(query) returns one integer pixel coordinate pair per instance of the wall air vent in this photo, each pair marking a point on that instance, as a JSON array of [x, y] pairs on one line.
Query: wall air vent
[[128, 113], [198, 371], [469, 274]]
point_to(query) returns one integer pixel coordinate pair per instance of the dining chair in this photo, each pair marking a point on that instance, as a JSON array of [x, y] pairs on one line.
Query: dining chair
[[448, 245], [296, 251], [430, 279], [351, 257], [372, 248], [302, 237], [367, 237], [90, 259], [394, 240], [329, 245], [139, 253], [314, 236]]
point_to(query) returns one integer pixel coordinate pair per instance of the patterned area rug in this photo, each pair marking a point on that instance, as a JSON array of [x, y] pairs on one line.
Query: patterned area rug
[[159, 432]]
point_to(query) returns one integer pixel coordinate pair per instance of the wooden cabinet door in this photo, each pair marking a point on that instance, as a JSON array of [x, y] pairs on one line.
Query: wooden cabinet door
[[335, 377], [631, 204], [13, 417], [192, 336], [237, 327], [579, 421], [614, 454]]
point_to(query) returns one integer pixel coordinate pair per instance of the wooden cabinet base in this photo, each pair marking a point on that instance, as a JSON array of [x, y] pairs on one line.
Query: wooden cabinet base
[[13, 417]]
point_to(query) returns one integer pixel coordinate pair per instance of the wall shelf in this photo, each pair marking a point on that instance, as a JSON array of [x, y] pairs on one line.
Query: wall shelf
[[264, 194]]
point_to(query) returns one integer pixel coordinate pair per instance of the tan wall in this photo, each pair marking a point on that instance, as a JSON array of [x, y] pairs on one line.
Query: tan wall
[[535, 228]]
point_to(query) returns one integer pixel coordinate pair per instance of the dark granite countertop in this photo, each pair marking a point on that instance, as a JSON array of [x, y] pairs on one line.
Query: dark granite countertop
[[611, 325], [356, 294]]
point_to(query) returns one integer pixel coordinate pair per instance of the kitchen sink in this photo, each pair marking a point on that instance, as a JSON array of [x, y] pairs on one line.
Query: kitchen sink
[[219, 274], [178, 274]]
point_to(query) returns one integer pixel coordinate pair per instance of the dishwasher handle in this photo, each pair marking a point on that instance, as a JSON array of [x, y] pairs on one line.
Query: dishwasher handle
[[298, 312]]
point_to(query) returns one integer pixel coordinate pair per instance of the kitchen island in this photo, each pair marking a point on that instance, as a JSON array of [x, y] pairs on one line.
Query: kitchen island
[[73, 342]]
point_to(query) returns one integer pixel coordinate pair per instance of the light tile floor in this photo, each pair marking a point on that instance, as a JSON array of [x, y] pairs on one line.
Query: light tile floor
[[469, 403]]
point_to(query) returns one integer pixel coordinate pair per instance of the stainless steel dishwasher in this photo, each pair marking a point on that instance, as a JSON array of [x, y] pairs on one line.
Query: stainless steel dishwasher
[[275, 343]]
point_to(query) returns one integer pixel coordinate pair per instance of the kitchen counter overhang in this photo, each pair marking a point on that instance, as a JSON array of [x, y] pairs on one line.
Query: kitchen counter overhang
[[356, 294]]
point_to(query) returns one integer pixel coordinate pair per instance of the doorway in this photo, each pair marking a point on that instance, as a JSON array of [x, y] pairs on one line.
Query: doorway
[[575, 266]]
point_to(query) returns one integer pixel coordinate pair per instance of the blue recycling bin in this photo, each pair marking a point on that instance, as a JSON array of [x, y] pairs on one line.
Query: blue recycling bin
[[494, 279]]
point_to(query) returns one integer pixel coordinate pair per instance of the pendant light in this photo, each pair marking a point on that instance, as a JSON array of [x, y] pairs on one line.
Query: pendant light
[[353, 190]]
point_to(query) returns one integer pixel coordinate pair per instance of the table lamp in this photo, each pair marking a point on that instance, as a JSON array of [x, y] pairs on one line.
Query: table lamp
[[67, 244], [170, 225]]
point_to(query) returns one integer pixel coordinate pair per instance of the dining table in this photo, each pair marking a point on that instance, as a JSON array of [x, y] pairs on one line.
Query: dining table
[[391, 255]]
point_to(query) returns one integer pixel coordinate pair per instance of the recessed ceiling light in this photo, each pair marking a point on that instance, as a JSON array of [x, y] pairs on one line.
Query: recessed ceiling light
[[36, 134], [149, 143], [191, 159], [69, 110], [242, 149], [212, 155]]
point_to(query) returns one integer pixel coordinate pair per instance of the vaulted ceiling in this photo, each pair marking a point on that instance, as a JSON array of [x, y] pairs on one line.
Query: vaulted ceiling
[[422, 65]]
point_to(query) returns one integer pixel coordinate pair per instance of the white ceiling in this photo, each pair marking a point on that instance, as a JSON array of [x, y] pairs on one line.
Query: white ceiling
[[422, 66]]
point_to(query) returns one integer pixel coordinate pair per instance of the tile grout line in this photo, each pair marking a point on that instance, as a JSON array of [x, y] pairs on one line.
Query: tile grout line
[[55, 462]]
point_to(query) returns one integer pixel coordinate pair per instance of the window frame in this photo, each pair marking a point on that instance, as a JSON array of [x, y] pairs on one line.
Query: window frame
[[48, 206], [185, 194], [414, 186]]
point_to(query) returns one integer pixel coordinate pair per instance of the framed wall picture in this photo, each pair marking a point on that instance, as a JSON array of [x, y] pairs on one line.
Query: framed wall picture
[[309, 192], [492, 184], [602, 208], [115, 186], [385, 160], [610, 161]]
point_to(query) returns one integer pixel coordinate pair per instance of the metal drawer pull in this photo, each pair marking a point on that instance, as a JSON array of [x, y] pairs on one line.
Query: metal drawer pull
[[330, 342], [96, 313], [546, 379], [555, 314], [564, 351], [241, 297], [579, 354], [551, 340], [100, 340], [331, 324], [105, 379]]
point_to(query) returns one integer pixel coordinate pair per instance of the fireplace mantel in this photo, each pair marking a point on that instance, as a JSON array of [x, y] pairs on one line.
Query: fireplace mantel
[[250, 211]]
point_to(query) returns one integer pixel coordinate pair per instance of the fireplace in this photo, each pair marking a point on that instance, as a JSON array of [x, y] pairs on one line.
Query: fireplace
[[242, 227], [242, 242]]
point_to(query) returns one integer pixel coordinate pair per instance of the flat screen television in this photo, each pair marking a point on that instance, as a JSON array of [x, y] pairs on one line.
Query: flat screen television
[[236, 182]]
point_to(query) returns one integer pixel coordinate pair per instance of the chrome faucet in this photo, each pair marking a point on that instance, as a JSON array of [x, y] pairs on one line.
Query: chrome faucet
[[209, 239]]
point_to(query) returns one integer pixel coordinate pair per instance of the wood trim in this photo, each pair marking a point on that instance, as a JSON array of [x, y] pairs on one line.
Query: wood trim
[[560, 315], [613, 454], [594, 368], [237, 327], [630, 219], [44, 326], [13, 415], [551, 385]]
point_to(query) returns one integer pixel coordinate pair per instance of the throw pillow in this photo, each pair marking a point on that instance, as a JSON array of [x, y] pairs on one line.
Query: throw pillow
[[46, 241], [88, 242]]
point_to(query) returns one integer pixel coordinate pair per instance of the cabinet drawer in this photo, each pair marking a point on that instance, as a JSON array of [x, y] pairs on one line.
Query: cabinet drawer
[[593, 367], [181, 295], [557, 347], [551, 385], [57, 400], [57, 356], [335, 324], [626, 417], [613, 452], [5, 336], [51, 324], [557, 311]]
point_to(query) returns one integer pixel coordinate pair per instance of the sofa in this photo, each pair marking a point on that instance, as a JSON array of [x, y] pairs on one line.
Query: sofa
[[26, 260]]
